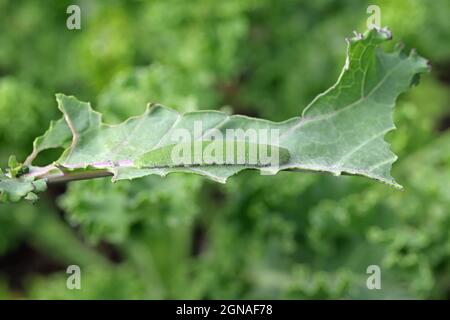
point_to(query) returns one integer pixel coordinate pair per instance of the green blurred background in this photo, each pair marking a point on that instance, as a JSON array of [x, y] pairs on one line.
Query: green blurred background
[[285, 236]]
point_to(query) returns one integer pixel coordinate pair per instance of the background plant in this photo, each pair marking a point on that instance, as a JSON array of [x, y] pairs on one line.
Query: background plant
[[183, 236]]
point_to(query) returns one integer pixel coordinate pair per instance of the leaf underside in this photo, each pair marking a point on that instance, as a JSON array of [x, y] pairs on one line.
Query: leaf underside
[[341, 131]]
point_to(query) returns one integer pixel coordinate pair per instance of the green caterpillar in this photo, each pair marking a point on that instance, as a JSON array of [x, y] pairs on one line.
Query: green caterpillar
[[217, 152]]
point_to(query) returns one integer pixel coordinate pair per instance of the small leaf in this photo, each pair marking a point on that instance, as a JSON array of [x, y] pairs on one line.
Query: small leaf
[[12, 162], [13, 189], [31, 197]]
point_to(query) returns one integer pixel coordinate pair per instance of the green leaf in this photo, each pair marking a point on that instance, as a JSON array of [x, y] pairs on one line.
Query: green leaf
[[12, 162], [13, 189], [340, 132]]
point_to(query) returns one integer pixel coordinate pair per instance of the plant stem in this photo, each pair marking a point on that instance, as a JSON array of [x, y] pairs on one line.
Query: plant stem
[[65, 174], [72, 176]]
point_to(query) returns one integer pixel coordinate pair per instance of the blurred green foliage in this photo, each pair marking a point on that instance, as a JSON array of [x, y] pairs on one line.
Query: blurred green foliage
[[284, 236]]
